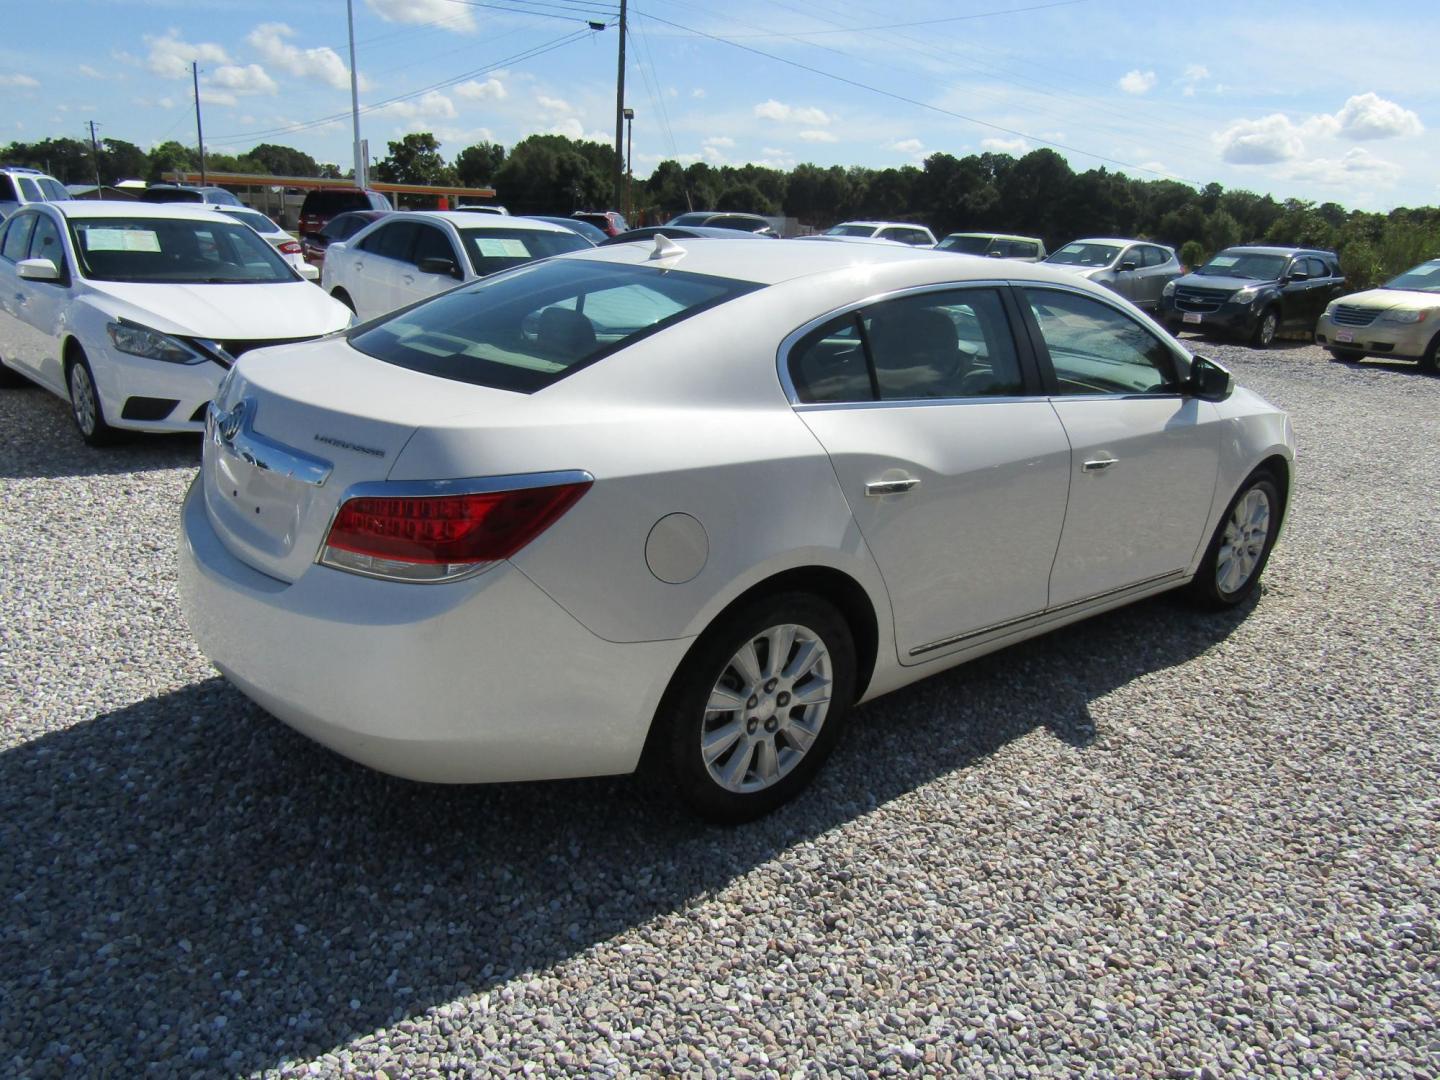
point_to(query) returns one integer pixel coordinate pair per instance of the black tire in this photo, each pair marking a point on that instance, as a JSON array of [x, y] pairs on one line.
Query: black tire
[[1431, 360], [344, 298], [1266, 328], [1346, 356], [90, 422], [674, 759], [1206, 589]]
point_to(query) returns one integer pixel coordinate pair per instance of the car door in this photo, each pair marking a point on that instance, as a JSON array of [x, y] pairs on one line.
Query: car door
[[1127, 281], [431, 242], [47, 303], [1144, 457], [375, 266], [20, 343], [954, 463], [1150, 277]]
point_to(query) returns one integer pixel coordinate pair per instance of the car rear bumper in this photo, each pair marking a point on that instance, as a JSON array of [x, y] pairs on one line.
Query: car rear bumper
[[484, 679], [1378, 339]]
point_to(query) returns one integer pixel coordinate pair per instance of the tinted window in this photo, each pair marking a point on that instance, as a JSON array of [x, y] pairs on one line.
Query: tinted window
[[829, 363], [904, 236], [391, 241], [17, 236], [1316, 268], [54, 190], [690, 219], [432, 243], [343, 227], [851, 230], [1019, 249], [493, 250], [45, 243], [7, 189], [966, 245], [175, 250], [537, 324], [1095, 349], [950, 344], [170, 194], [329, 203], [29, 190], [1155, 256]]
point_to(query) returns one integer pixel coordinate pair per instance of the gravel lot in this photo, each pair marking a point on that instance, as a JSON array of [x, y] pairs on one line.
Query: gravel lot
[[1156, 844]]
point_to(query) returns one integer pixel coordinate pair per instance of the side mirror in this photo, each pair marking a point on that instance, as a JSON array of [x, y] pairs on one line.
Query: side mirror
[[309, 272], [438, 264], [1298, 275], [1209, 381], [37, 270]]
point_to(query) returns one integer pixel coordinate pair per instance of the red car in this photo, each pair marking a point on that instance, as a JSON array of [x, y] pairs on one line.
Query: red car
[[609, 222], [322, 204]]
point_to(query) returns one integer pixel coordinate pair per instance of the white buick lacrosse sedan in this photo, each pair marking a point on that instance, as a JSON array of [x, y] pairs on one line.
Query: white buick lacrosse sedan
[[686, 504]]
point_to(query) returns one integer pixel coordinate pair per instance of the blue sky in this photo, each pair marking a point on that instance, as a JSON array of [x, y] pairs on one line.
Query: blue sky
[[1318, 99]]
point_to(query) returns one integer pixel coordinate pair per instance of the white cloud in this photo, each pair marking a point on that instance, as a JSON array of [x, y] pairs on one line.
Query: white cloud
[[698, 92], [791, 114], [908, 146], [1369, 116], [453, 16], [1260, 142], [210, 96], [816, 135], [1005, 146], [249, 79], [1357, 166], [432, 105], [720, 140], [1137, 82], [1194, 75], [572, 128], [322, 63], [489, 90], [553, 104], [170, 57], [90, 73], [18, 80]]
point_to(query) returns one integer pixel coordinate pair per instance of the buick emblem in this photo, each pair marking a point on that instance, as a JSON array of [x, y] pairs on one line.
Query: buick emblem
[[230, 423]]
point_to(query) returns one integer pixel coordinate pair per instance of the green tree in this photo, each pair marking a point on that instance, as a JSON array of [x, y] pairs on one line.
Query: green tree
[[171, 157], [477, 165], [745, 199], [553, 173], [283, 161], [415, 159], [120, 160]]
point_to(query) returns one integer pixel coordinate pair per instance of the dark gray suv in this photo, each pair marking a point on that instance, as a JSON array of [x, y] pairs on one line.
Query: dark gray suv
[[1254, 293]]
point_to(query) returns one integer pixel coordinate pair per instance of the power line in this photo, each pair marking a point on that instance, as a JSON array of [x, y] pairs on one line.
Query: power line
[[909, 100], [921, 22]]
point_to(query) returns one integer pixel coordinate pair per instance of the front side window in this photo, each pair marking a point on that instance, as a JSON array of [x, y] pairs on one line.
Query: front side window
[[17, 237], [45, 243], [391, 241], [1020, 249], [175, 251], [432, 243], [954, 343], [533, 326], [1096, 349], [493, 250]]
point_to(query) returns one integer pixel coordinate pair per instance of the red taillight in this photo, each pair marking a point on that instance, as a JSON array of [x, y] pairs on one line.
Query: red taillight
[[450, 532], [290, 247]]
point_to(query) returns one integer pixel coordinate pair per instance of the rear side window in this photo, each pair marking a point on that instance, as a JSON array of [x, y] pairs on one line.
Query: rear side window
[[529, 328], [7, 189], [17, 236], [1155, 256], [493, 250], [29, 190], [54, 190]]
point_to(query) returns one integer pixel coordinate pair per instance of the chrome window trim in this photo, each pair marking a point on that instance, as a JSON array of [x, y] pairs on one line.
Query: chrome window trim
[[782, 360]]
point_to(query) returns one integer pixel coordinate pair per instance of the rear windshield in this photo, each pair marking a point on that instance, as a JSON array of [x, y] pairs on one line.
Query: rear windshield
[[851, 230], [175, 251], [256, 220], [329, 203], [965, 245], [1085, 255], [493, 250], [165, 195], [1422, 278], [1240, 264], [690, 219], [531, 327]]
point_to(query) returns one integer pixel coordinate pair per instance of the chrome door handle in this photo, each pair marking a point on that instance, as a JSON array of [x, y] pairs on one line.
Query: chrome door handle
[[409, 279], [359, 266], [1099, 464], [20, 298], [891, 487]]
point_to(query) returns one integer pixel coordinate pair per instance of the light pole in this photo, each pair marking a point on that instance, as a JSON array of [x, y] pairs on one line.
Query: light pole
[[629, 146], [361, 180]]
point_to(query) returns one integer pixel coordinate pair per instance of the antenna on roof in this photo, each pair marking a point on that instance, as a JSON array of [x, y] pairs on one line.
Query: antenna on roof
[[665, 248]]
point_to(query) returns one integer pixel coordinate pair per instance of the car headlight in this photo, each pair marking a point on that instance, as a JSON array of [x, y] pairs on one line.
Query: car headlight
[[140, 340], [1245, 295], [1169, 289], [1330, 309], [1404, 318]]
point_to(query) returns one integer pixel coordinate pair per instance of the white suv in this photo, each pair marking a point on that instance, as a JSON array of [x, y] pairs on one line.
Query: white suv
[[899, 231], [20, 186]]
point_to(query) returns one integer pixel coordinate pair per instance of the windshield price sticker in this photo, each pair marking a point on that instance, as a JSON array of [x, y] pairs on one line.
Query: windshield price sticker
[[494, 248], [120, 240], [1224, 260]]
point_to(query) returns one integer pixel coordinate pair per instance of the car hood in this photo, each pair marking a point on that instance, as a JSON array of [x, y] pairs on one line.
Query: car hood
[[1392, 300], [1079, 271], [1214, 281], [253, 312]]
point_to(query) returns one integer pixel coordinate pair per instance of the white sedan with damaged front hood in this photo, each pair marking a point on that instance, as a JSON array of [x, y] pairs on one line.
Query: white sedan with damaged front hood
[[684, 505], [134, 312]]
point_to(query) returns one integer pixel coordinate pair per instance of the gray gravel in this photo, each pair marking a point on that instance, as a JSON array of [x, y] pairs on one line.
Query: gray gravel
[[1157, 844]]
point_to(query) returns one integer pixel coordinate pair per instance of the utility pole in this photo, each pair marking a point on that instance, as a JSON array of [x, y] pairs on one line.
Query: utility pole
[[199, 131], [620, 116], [629, 174], [361, 180], [95, 157]]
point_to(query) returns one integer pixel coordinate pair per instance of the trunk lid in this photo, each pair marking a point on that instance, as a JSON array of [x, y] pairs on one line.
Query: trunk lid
[[296, 427]]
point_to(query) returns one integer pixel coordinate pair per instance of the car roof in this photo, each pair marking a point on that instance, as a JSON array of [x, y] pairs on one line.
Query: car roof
[[1265, 249], [996, 236], [1110, 240], [702, 232], [904, 224], [125, 208], [784, 260], [462, 219]]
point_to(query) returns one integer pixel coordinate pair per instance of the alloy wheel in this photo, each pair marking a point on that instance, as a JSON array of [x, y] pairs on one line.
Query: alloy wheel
[[767, 708], [1243, 542], [82, 399]]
